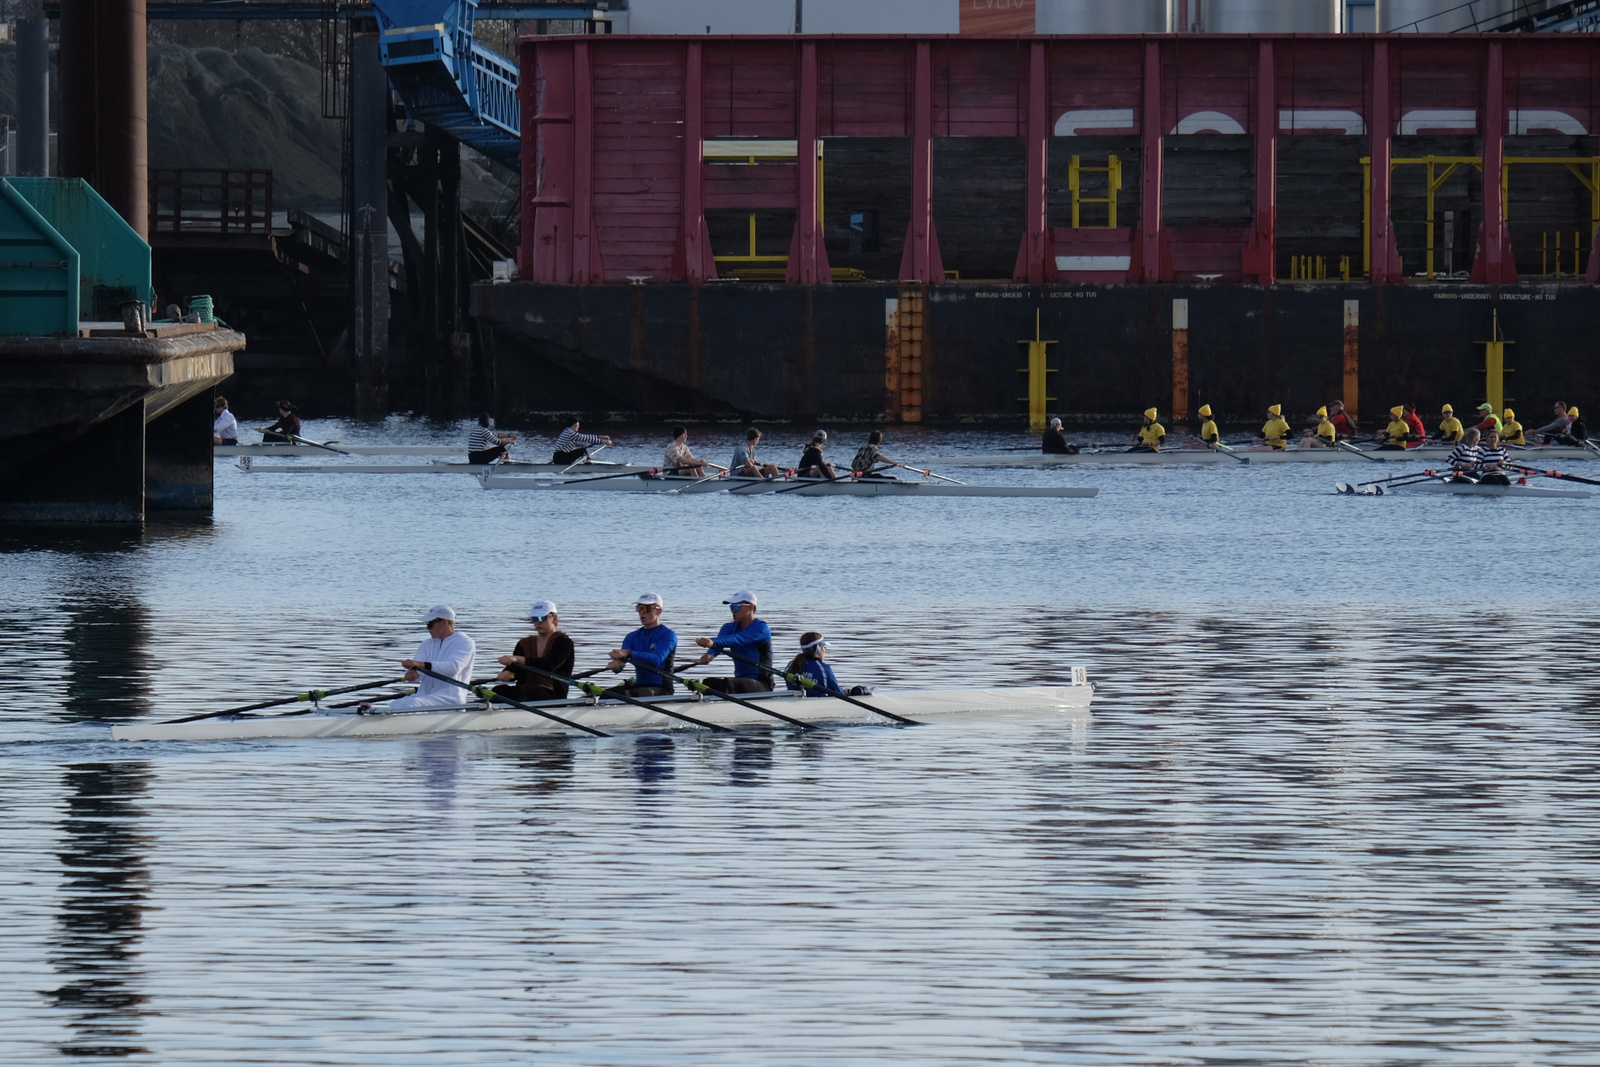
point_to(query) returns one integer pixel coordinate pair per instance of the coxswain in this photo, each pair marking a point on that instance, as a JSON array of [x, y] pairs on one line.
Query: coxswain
[[485, 445], [1556, 429], [287, 428], [1055, 442], [678, 459], [744, 462], [869, 457], [224, 427], [649, 649], [572, 446], [1398, 432], [812, 465], [1343, 424], [1490, 421], [548, 649], [1492, 460], [809, 665], [1450, 428], [1463, 459], [1210, 436], [1151, 434], [1276, 430], [1511, 431], [1419, 432], [746, 635], [1577, 433], [443, 651]]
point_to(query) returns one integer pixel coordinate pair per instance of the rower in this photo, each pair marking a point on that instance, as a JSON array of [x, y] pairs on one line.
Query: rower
[[1055, 442], [744, 461], [1511, 431], [1463, 459], [650, 648], [812, 465], [485, 445], [1326, 433], [287, 428], [1557, 428], [809, 664], [1450, 428], [548, 649], [1490, 421], [1210, 436], [1492, 460], [1151, 434], [751, 638], [1419, 432], [869, 457], [443, 651], [1577, 433], [1275, 431], [1398, 432], [572, 447], [678, 459], [224, 427], [1343, 424]]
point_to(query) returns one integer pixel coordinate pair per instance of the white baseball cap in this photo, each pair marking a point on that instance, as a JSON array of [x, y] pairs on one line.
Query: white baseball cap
[[652, 598], [743, 596], [438, 612], [540, 609], [820, 435]]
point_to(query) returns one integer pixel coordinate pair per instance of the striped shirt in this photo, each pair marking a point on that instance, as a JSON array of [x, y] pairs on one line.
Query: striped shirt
[[482, 438], [1464, 457], [1488, 457], [571, 439]]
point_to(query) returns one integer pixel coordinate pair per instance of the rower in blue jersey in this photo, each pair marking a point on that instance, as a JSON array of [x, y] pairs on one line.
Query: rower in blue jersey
[[747, 636], [650, 648], [809, 665]]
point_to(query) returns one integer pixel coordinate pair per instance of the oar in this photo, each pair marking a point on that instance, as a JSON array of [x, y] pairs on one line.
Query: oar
[[312, 695], [925, 474], [801, 681], [624, 474], [1348, 447], [297, 439], [697, 481], [600, 691], [1553, 474], [1591, 446], [1220, 447], [585, 458], [488, 695], [702, 688]]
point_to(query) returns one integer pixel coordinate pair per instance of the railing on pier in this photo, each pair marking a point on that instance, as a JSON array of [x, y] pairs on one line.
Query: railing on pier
[[210, 200]]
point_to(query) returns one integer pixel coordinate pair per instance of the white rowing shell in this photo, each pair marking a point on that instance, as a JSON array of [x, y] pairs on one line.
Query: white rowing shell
[[1472, 489], [438, 467], [615, 716], [790, 486]]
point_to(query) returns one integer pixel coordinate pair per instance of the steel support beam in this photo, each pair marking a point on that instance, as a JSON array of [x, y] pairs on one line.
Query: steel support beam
[[369, 225], [1385, 257], [587, 268], [1035, 262], [547, 108], [1260, 256], [808, 259], [920, 262], [1150, 149], [1495, 264], [33, 98], [105, 105], [695, 238]]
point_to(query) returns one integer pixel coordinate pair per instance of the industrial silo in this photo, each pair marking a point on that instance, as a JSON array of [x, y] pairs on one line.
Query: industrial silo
[[1102, 16], [1267, 16], [1448, 16]]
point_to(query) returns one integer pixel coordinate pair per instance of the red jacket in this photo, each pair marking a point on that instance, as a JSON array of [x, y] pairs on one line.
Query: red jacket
[[1418, 431], [1342, 425]]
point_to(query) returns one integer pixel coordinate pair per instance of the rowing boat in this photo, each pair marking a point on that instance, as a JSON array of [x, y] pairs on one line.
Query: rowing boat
[[269, 449], [1479, 489], [616, 716], [666, 483], [1181, 456], [247, 464]]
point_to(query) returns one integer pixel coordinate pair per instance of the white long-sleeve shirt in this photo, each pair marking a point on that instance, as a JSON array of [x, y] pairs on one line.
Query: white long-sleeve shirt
[[226, 426], [453, 656]]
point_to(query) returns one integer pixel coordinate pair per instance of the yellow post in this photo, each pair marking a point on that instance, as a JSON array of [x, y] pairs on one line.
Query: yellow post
[[1038, 350], [1494, 367]]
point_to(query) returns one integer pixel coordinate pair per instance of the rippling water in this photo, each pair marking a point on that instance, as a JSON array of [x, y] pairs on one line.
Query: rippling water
[[1336, 803]]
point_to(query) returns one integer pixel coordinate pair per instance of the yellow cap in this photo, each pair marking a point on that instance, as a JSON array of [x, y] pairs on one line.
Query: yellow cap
[[1150, 413], [1275, 410], [1448, 410], [1396, 411], [1508, 414], [1205, 409], [1573, 411], [1322, 410]]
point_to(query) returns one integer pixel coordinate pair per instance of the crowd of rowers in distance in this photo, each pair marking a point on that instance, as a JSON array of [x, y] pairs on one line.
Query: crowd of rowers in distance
[[1334, 424], [540, 666]]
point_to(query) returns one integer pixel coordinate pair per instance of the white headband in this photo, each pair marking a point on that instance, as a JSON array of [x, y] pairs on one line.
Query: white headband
[[818, 643]]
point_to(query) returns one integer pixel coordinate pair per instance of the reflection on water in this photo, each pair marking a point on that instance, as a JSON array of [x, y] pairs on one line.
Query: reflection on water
[[95, 951], [652, 763], [105, 642]]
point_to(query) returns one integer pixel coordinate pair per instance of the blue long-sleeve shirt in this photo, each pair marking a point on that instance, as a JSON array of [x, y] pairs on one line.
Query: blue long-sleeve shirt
[[648, 648], [752, 642], [819, 672]]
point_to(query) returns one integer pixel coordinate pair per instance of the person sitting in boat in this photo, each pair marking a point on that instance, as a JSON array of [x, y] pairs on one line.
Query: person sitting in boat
[[1419, 432], [444, 651], [744, 462], [809, 665], [1150, 435], [1398, 433], [485, 445], [748, 637], [1556, 428], [287, 428], [1450, 429], [1343, 425], [1275, 432], [1323, 434], [572, 446], [1210, 436], [869, 457], [650, 648], [1577, 432], [812, 465], [1511, 431], [1463, 459], [678, 459], [224, 427], [1492, 460], [1055, 442], [548, 649], [1489, 420]]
